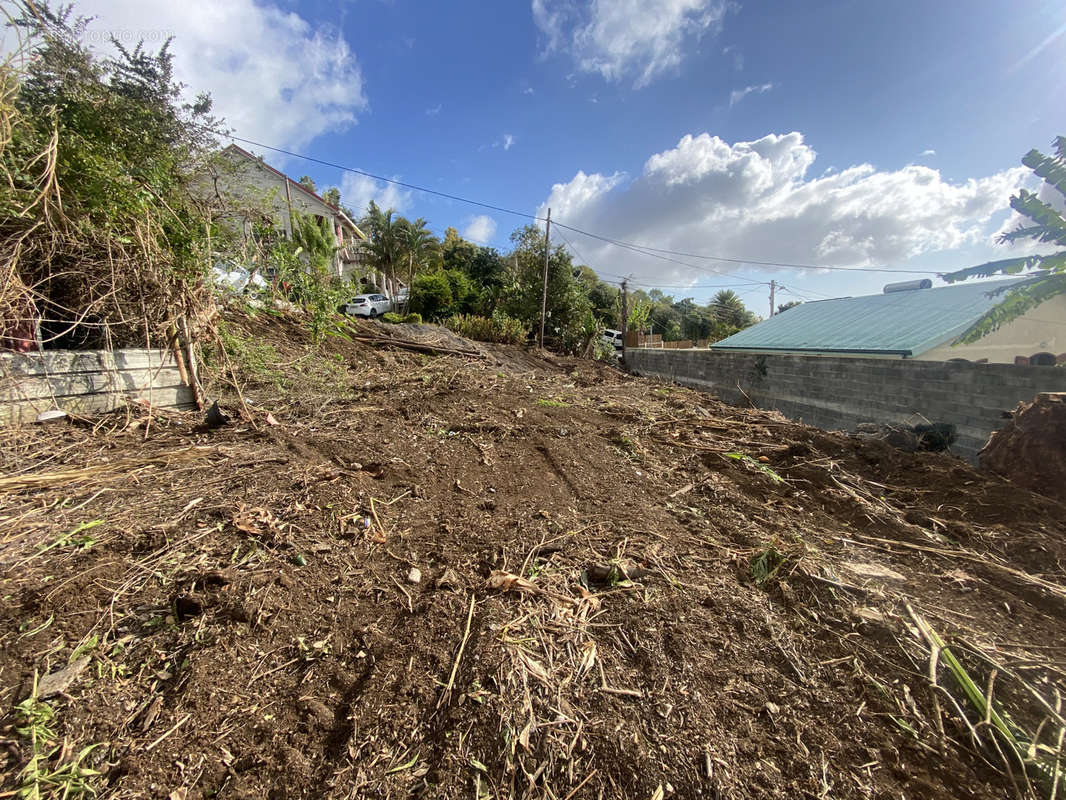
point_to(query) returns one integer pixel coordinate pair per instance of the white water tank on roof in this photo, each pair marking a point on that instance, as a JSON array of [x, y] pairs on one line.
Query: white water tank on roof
[[908, 286]]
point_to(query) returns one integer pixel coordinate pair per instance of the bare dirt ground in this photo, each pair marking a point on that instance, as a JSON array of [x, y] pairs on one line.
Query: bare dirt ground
[[625, 590]]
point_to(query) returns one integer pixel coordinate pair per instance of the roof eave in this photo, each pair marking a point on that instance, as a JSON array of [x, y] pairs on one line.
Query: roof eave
[[344, 217], [814, 350]]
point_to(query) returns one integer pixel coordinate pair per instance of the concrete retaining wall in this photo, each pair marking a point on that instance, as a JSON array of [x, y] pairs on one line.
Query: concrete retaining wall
[[87, 382], [838, 393]]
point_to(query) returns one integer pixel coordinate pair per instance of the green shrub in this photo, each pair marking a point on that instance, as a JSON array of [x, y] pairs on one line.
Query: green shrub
[[464, 294], [392, 317], [431, 295], [414, 319], [497, 328]]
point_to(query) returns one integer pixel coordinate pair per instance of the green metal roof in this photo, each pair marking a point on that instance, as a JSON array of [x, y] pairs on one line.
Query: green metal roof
[[903, 323]]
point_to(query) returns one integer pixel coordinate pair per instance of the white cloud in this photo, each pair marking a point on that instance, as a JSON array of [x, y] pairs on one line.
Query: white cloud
[[508, 141], [737, 95], [480, 229], [358, 190], [755, 200], [273, 76], [926, 153], [528, 90], [432, 112], [623, 39]]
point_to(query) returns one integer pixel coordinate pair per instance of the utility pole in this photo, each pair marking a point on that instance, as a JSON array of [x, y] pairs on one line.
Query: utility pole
[[544, 293], [625, 317], [773, 286]]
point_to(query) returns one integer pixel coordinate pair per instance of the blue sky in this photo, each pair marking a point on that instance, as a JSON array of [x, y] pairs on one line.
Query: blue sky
[[845, 134]]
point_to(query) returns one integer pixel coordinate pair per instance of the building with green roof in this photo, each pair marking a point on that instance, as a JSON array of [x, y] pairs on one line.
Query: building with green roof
[[911, 321]]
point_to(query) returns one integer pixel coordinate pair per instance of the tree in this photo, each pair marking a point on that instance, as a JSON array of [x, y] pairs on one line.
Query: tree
[[1046, 226], [419, 243], [728, 307], [386, 239], [639, 312], [697, 322], [603, 297], [307, 182], [431, 295], [790, 304], [99, 234], [457, 252], [570, 317], [332, 195], [730, 315]]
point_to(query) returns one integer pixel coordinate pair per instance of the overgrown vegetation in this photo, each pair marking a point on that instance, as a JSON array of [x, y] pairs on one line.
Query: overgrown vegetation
[[101, 244], [497, 328], [106, 238], [455, 277]]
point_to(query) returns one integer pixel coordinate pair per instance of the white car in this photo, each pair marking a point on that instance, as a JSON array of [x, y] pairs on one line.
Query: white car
[[613, 338], [367, 305]]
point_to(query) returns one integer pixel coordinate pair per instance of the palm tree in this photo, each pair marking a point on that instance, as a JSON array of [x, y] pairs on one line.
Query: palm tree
[[728, 307], [1048, 227], [419, 242], [385, 239]]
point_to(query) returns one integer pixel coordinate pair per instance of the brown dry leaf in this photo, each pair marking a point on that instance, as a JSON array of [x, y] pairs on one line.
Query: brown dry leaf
[[534, 667], [872, 571], [256, 520], [509, 582], [523, 737], [58, 682], [588, 657]]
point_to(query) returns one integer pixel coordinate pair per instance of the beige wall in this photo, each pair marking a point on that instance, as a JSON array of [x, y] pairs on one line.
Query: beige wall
[[1041, 330], [248, 189]]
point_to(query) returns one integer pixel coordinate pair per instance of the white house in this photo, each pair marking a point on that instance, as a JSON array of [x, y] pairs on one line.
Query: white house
[[244, 187]]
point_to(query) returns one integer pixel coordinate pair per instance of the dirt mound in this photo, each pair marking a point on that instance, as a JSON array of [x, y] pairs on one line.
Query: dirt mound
[[624, 590], [1030, 450]]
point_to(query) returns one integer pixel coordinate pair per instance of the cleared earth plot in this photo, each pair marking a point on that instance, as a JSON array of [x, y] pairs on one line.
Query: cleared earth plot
[[479, 573]]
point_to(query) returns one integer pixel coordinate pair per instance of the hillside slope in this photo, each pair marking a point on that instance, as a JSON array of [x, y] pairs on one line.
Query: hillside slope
[[624, 590]]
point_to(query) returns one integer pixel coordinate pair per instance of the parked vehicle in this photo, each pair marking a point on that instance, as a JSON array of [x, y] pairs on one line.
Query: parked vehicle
[[367, 305], [613, 337]]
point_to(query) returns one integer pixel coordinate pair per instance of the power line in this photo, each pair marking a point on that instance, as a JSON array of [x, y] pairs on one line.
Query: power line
[[751, 261], [655, 252], [633, 282], [383, 179]]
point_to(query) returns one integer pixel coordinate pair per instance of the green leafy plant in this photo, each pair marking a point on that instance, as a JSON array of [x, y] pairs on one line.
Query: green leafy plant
[[76, 537], [1044, 762], [413, 319], [765, 565], [301, 266], [497, 328], [41, 777], [392, 318], [1045, 225], [746, 459], [102, 236]]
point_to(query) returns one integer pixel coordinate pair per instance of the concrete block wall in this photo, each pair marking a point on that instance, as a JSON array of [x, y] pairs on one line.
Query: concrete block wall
[[836, 393], [88, 382]]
